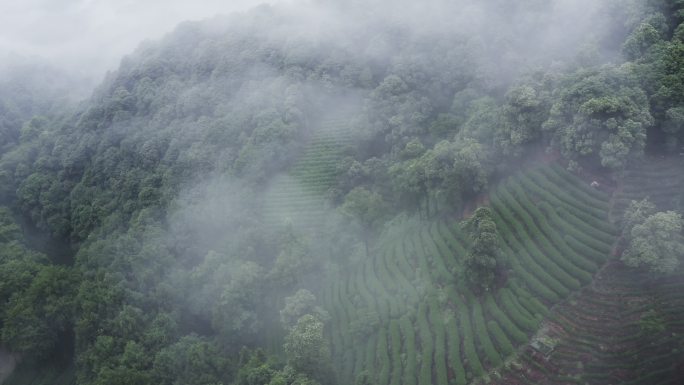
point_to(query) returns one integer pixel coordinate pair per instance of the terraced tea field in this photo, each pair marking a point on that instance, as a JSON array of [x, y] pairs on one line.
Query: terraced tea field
[[601, 338], [404, 316], [661, 180], [602, 333], [298, 197]]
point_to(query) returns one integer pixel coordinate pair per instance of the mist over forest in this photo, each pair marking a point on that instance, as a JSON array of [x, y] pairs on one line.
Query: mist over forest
[[332, 192]]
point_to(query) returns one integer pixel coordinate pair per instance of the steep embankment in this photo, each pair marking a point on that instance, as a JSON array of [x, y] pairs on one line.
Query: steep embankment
[[602, 335]]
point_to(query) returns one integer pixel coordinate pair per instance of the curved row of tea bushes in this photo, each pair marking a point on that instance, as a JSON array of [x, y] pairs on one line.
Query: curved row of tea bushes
[[542, 245]]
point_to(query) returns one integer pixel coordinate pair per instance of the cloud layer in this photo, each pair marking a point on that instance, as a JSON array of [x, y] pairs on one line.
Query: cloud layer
[[89, 37]]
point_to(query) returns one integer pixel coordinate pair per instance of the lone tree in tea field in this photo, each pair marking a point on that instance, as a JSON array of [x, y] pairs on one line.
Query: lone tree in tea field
[[482, 261]]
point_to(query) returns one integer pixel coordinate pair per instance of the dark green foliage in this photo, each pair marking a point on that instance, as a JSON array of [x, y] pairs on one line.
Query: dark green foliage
[[451, 240], [536, 267], [583, 249], [519, 316], [530, 303], [539, 235], [307, 349], [656, 243], [585, 196], [481, 262], [35, 319], [579, 265], [440, 355], [504, 321], [597, 244], [191, 360], [534, 182], [588, 194], [473, 361], [524, 111], [454, 350], [254, 369], [39, 299], [504, 344], [483, 336], [527, 235], [600, 115]]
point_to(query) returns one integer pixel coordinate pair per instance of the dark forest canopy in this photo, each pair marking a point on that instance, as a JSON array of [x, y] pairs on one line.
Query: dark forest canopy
[[145, 243]]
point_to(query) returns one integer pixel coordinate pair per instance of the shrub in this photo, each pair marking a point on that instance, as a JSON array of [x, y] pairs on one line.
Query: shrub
[[483, 336], [504, 344], [531, 304], [426, 345], [515, 311], [532, 248], [454, 348], [395, 343], [511, 329], [451, 239], [598, 224], [598, 245], [564, 196], [585, 226], [468, 343], [576, 186], [439, 272], [409, 377], [448, 255], [553, 236], [383, 360], [440, 338], [583, 249], [398, 265], [540, 234], [572, 179], [529, 263]]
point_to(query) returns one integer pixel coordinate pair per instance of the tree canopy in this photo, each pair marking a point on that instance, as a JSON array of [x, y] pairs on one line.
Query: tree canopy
[[656, 243]]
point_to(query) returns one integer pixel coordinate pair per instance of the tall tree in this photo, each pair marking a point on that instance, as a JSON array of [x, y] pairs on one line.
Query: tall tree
[[657, 243], [600, 116], [307, 349], [481, 264], [368, 209]]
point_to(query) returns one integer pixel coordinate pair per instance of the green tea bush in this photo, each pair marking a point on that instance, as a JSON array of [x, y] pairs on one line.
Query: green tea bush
[[511, 329], [409, 376], [483, 336]]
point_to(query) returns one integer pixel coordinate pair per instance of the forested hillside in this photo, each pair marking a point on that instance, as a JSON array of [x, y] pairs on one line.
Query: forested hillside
[[346, 193]]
